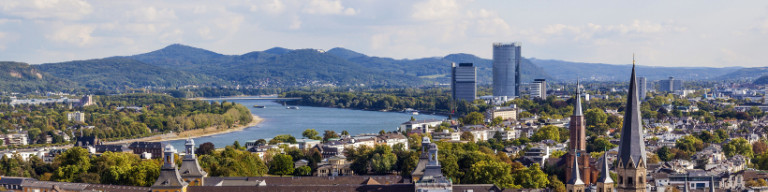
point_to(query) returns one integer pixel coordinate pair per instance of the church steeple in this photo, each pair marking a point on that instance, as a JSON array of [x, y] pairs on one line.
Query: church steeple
[[577, 108], [576, 179], [631, 167], [631, 145], [578, 144], [575, 184], [604, 182]]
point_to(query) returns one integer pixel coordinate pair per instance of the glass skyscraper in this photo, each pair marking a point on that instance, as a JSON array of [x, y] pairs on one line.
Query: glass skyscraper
[[506, 69]]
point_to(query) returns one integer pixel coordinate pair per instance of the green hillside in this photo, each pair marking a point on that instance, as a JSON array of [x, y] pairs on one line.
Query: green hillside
[[21, 77], [121, 72]]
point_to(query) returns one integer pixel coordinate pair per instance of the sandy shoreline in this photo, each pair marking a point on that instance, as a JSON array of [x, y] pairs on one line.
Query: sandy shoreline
[[190, 133]]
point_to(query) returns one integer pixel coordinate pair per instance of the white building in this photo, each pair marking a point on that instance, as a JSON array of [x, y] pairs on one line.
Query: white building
[[76, 116], [446, 135], [420, 124]]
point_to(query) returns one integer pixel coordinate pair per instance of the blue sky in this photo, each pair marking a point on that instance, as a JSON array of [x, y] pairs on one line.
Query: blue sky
[[661, 33]]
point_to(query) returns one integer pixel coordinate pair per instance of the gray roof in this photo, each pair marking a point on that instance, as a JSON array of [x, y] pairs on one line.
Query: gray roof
[[605, 171], [190, 167], [169, 178], [577, 110], [631, 145], [576, 178]]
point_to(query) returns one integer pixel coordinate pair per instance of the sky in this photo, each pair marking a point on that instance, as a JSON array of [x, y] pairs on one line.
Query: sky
[[660, 32]]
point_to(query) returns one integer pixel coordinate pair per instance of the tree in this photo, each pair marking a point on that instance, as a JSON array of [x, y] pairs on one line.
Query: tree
[[467, 136], [282, 139], [595, 117], [72, 164], [738, 146], [205, 149], [303, 171], [546, 132], [236, 144], [665, 154], [329, 134], [494, 172], [600, 143], [281, 164], [496, 121], [344, 132], [532, 177], [759, 147], [311, 134], [690, 144], [383, 163], [473, 118], [556, 184]]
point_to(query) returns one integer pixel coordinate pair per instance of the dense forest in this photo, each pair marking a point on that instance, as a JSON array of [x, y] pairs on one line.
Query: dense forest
[[112, 119]]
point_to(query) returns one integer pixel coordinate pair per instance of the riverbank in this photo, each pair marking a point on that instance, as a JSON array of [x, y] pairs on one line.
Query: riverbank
[[209, 131]]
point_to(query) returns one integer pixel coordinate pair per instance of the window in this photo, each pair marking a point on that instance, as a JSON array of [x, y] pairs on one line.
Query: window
[[630, 181], [621, 180]]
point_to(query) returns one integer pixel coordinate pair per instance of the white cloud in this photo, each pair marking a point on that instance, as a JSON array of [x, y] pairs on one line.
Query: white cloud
[[79, 35], [435, 10], [269, 6], [327, 7], [295, 24], [153, 14], [47, 9]]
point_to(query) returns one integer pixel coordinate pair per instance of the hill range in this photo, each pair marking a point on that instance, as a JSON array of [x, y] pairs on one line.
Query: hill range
[[179, 65]]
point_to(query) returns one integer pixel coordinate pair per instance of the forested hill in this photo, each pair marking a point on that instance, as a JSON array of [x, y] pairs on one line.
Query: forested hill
[[121, 72], [21, 77], [180, 65], [566, 70]]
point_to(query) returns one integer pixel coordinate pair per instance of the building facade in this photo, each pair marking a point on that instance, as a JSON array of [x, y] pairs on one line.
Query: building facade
[[506, 65], [643, 85], [464, 82], [190, 169], [538, 88], [670, 85]]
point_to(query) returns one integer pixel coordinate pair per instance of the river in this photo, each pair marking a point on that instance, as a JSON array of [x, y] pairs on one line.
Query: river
[[279, 120]]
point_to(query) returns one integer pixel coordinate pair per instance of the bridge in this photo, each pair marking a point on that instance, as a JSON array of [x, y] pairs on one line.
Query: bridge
[[251, 98]]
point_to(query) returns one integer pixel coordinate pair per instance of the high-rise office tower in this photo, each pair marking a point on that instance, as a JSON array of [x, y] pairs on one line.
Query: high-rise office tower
[[463, 82], [670, 85], [539, 88], [643, 85], [506, 69]]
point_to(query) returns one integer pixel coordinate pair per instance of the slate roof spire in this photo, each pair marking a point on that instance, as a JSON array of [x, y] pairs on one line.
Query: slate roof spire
[[576, 178], [605, 172], [632, 146], [577, 110]]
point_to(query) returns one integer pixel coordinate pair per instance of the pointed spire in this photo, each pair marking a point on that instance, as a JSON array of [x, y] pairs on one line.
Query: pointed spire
[[631, 145], [577, 110], [605, 172], [576, 178]]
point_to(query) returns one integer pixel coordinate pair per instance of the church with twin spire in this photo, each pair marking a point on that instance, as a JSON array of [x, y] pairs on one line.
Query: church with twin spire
[[631, 167]]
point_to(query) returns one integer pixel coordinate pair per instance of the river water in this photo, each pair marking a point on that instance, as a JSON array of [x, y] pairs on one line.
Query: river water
[[279, 120]]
